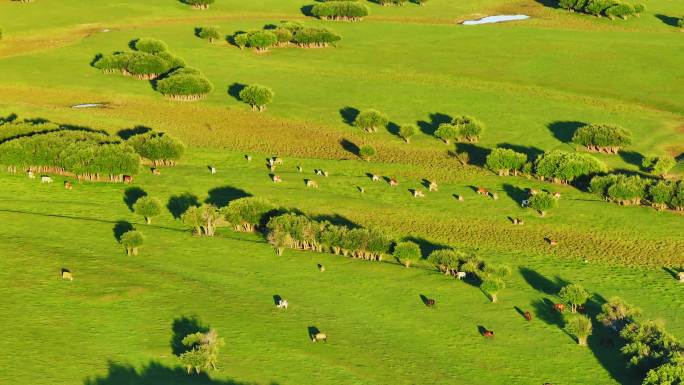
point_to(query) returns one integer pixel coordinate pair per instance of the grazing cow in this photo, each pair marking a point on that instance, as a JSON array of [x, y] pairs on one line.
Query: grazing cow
[[680, 275], [488, 333], [31, 175], [559, 307], [321, 268], [319, 337], [430, 302], [483, 191], [460, 198], [66, 274], [276, 179], [460, 274], [520, 221], [248, 157], [127, 179], [155, 171], [277, 161], [68, 185], [282, 304], [311, 183], [418, 194], [45, 179], [318, 172], [393, 182], [553, 242], [495, 196], [524, 203], [556, 195], [375, 178], [361, 189], [527, 315], [212, 169], [433, 186]]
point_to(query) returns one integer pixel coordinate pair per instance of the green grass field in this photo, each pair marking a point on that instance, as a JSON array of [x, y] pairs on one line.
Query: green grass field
[[531, 82]]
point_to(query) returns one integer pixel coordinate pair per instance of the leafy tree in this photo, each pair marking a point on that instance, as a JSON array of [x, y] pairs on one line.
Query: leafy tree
[[616, 313], [257, 96], [447, 132], [649, 345], [574, 295], [247, 214], [492, 285], [371, 120], [446, 260], [203, 351], [367, 151], [498, 271], [667, 374], [132, 240], [150, 45], [680, 22], [158, 147], [602, 137], [542, 202], [503, 161], [661, 194], [203, 219], [340, 10], [261, 40], [472, 265], [659, 165], [407, 131], [407, 253], [620, 188], [147, 208], [199, 4], [562, 166], [185, 84], [315, 37], [579, 325], [209, 33], [469, 128]]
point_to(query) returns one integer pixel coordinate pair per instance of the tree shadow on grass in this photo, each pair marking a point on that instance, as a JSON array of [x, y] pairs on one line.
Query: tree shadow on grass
[[349, 114], [543, 309], [531, 151], [437, 118], [541, 283], [154, 373], [128, 133], [235, 89], [515, 193], [669, 20], [549, 3], [307, 10], [632, 157], [426, 247], [477, 154], [336, 219], [564, 130], [121, 228], [393, 128], [221, 196], [350, 147], [181, 327], [178, 204], [131, 195]]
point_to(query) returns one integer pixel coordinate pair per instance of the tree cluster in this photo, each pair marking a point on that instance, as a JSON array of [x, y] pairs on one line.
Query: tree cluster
[[186, 84], [248, 214], [504, 161], [285, 34], [564, 167], [302, 233], [602, 137], [84, 154], [610, 8], [149, 60], [202, 219], [199, 4], [340, 10], [202, 351], [635, 190], [461, 128], [158, 148], [659, 165]]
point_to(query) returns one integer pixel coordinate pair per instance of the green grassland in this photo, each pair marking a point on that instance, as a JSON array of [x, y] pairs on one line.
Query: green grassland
[[531, 82]]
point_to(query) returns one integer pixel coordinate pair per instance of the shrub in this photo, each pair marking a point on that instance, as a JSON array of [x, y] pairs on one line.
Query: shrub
[[261, 40], [616, 314], [659, 165], [491, 286], [315, 37], [132, 240], [202, 351], [247, 214], [257, 96], [371, 120], [240, 39], [209, 33], [158, 147], [649, 346], [446, 260], [564, 166], [199, 4], [146, 66], [579, 325], [150, 45], [623, 189], [184, 84], [283, 35], [340, 10], [407, 131], [542, 202], [447, 132], [203, 219], [367, 151], [468, 127], [602, 137], [407, 253], [661, 194], [503, 161], [668, 374], [680, 22], [621, 10], [574, 295], [147, 208]]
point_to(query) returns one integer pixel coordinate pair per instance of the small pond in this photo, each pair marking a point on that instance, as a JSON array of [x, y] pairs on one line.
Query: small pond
[[495, 19]]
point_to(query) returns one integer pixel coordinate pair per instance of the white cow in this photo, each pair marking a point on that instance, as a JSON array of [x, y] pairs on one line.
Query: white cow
[[524, 203], [460, 274], [282, 304], [45, 179], [31, 175]]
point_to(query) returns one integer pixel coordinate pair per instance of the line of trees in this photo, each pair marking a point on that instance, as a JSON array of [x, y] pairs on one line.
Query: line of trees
[[285, 34], [564, 167], [504, 161], [340, 10], [461, 128], [602, 137], [610, 8], [636, 190]]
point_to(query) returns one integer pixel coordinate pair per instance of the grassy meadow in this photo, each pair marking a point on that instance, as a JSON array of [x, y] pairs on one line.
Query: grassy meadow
[[531, 82]]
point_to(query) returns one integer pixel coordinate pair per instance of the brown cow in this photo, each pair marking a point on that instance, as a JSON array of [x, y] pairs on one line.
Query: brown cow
[[430, 302], [127, 179], [528, 316], [556, 195], [276, 179], [155, 171], [559, 307], [553, 242], [393, 182], [68, 185], [488, 333], [483, 191]]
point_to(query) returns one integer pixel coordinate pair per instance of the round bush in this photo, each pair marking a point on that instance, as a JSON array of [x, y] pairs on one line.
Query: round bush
[[184, 86], [150, 45], [257, 96]]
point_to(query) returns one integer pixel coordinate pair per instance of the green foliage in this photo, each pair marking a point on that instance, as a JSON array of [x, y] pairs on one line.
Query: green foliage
[[184, 84], [579, 325], [209, 33], [285, 33], [261, 40], [573, 295], [542, 202], [503, 161], [371, 120], [340, 10], [446, 260], [407, 253], [315, 37], [616, 314], [668, 374], [203, 219], [447, 132], [407, 131], [199, 4], [562, 166], [620, 188], [247, 214], [150, 45], [649, 346], [469, 128], [659, 165], [492, 285], [202, 351], [257, 96], [158, 147], [680, 22], [367, 151], [602, 137], [132, 240], [82, 153], [498, 271], [147, 207]]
